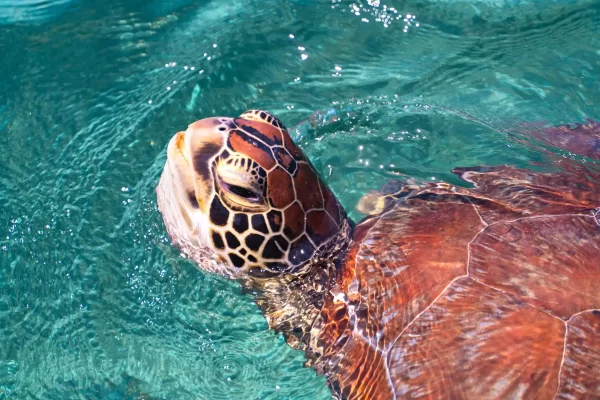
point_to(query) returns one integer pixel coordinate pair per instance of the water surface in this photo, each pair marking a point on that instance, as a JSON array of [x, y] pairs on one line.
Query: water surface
[[94, 302]]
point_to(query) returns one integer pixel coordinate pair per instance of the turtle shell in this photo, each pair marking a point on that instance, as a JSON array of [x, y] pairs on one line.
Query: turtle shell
[[484, 293]]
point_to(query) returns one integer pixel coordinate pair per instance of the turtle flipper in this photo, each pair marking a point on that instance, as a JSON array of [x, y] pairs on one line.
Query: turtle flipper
[[576, 184], [516, 192], [373, 203], [376, 202], [582, 139]]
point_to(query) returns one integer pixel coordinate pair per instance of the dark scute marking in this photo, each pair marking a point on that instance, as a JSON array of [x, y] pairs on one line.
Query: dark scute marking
[[259, 224], [253, 241], [232, 241], [263, 115], [288, 232], [275, 219], [262, 172], [236, 260], [285, 159], [271, 250], [217, 240], [201, 159], [291, 147], [218, 213], [277, 122], [251, 258], [259, 135], [277, 266], [245, 144], [225, 154], [240, 223], [193, 200], [596, 312], [301, 251], [243, 251]]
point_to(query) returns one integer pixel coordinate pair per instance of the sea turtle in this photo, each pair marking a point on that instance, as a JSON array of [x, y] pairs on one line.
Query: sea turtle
[[445, 292]]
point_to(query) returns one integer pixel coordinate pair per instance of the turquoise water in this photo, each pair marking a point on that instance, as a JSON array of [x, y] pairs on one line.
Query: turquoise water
[[94, 302]]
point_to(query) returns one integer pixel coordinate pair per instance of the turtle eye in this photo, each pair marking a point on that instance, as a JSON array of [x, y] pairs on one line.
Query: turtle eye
[[242, 192], [242, 197], [240, 187]]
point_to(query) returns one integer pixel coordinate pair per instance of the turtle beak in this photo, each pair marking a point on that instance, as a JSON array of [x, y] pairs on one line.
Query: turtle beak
[[189, 158], [203, 142]]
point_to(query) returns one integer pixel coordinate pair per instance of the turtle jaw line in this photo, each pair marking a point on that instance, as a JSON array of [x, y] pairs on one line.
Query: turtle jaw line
[[187, 228], [186, 224], [179, 172]]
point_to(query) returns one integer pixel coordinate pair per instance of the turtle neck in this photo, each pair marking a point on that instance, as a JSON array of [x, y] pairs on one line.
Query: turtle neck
[[291, 302]]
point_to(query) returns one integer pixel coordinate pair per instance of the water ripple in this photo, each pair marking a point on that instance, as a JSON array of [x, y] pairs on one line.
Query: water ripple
[[94, 301]]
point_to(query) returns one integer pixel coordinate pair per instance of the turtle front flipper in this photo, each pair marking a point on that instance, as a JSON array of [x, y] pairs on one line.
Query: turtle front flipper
[[376, 202], [373, 203]]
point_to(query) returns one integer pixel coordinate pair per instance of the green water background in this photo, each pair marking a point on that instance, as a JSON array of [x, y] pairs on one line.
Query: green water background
[[94, 302]]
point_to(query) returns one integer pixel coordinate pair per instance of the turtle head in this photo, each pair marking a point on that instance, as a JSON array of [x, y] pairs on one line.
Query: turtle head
[[240, 198]]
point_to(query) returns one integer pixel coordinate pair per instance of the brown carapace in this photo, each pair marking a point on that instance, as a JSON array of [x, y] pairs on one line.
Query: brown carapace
[[446, 292]]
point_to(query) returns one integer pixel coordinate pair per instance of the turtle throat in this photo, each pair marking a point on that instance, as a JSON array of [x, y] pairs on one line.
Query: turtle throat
[[291, 302]]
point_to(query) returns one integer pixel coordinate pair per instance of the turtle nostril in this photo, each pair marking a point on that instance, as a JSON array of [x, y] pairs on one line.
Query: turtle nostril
[[222, 128]]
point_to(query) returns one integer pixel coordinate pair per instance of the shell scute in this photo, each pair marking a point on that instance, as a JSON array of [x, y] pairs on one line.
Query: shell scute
[[550, 262], [579, 376], [480, 335]]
